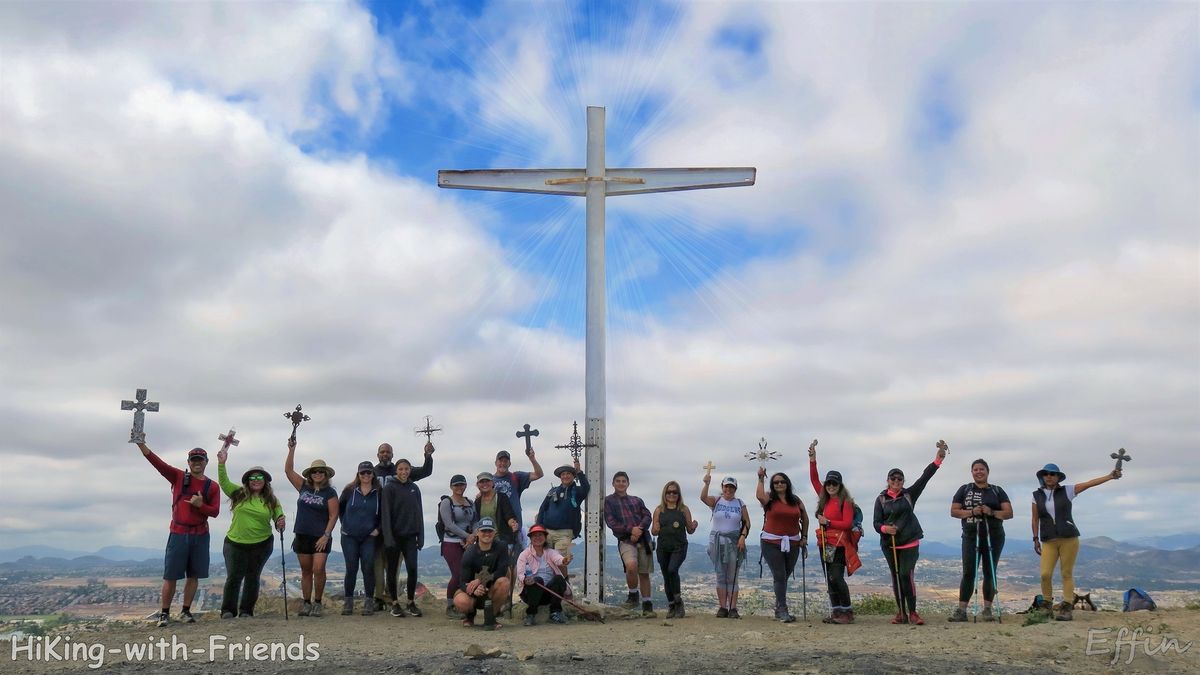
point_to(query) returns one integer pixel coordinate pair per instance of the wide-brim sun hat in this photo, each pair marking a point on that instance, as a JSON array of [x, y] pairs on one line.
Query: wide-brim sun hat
[[1051, 469], [565, 467], [318, 464]]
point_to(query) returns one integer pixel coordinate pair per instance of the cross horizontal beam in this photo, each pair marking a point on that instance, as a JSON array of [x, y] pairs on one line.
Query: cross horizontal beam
[[617, 181]]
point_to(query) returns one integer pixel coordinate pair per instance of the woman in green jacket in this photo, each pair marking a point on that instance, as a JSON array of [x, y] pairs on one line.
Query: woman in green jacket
[[249, 541]]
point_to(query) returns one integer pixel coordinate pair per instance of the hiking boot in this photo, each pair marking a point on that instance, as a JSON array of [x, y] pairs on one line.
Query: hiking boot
[[317, 609], [413, 610], [679, 613], [782, 614], [959, 616], [397, 610], [368, 608], [347, 606], [379, 605], [164, 618], [557, 617], [986, 614], [530, 620], [227, 615], [833, 616], [452, 612], [1064, 612], [899, 618], [722, 613], [631, 602], [845, 616], [916, 619], [186, 616], [245, 615], [305, 609], [648, 610], [733, 613]]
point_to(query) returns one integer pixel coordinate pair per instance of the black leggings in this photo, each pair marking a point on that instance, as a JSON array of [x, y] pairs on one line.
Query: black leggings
[[906, 592], [839, 592], [782, 565], [406, 546], [534, 596], [670, 562], [243, 567], [976, 551]]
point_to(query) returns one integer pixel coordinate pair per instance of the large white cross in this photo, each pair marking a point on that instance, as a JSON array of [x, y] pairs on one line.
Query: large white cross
[[594, 184]]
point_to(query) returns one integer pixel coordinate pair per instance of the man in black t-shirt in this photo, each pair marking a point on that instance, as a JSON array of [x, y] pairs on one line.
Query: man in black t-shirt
[[983, 508], [484, 572]]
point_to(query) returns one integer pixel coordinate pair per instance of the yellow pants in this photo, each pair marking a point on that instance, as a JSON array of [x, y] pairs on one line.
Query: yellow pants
[[1064, 549]]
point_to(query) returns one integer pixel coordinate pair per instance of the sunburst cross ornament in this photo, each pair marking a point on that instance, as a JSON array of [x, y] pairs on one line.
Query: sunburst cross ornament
[[763, 455]]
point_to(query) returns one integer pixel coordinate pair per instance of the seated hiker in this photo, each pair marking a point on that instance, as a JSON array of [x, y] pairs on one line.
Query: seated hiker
[[539, 573], [484, 569]]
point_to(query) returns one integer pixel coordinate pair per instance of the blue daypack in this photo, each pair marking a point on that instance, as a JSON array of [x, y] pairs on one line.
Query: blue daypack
[[1136, 599]]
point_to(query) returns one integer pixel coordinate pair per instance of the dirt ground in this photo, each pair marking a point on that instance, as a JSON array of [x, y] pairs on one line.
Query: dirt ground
[[757, 644]]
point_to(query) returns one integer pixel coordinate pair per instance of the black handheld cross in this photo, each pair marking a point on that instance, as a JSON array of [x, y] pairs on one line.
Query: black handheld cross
[[296, 418], [139, 407], [527, 434], [429, 430], [576, 444], [1121, 456]]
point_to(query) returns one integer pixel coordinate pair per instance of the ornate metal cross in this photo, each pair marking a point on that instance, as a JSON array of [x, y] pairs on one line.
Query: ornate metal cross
[[576, 445], [762, 455], [139, 407], [1121, 456], [429, 430], [296, 418], [526, 435], [228, 439]]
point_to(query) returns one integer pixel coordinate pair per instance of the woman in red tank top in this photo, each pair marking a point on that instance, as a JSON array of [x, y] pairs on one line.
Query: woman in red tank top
[[784, 534]]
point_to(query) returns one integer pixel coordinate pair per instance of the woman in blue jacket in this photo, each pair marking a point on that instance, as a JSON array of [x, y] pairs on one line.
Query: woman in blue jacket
[[359, 509]]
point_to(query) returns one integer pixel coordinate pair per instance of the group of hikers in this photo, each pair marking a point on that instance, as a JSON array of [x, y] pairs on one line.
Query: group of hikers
[[492, 556]]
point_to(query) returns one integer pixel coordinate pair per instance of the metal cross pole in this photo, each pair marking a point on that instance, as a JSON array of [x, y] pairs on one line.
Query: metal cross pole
[[595, 183], [527, 435], [228, 439], [575, 445], [139, 407], [296, 418], [429, 430]]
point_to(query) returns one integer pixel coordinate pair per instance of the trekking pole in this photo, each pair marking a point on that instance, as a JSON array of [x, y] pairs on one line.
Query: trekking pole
[[896, 581], [976, 573], [283, 571], [987, 529], [585, 612], [804, 580]]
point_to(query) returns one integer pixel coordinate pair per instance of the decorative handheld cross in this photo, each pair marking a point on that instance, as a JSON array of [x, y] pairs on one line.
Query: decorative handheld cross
[[228, 439], [139, 407], [763, 454], [576, 445], [1121, 456], [296, 418], [429, 430], [526, 435], [708, 468]]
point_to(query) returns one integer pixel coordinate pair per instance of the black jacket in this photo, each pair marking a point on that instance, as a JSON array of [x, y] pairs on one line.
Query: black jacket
[[899, 511], [401, 514]]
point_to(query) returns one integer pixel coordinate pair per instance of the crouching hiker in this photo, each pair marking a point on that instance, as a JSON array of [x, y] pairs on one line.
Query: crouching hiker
[[539, 572], [484, 581]]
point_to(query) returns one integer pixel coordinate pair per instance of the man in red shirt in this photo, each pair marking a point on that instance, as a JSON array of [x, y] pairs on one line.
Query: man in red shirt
[[194, 499]]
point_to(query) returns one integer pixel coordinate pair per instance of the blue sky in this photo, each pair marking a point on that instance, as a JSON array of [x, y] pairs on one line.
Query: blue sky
[[972, 221]]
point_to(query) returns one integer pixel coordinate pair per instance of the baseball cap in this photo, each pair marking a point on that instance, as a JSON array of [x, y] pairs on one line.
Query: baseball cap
[[366, 466], [834, 477], [485, 475], [728, 480], [895, 472], [458, 479], [503, 454], [486, 524], [197, 452]]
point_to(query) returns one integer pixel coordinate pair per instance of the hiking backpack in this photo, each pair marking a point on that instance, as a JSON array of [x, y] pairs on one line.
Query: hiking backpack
[[440, 527], [1137, 599]]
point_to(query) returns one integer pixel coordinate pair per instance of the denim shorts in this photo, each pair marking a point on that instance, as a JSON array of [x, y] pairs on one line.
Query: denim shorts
[[187, 556]]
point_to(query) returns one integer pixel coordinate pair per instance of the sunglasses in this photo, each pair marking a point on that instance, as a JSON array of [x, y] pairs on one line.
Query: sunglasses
[[672, 492], [258, 476], [363, 473], [899, 478], [779, 482], [320, 471]]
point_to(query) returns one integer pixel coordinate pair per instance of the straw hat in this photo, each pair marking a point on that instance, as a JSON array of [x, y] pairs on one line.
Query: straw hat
[[318, 464]]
